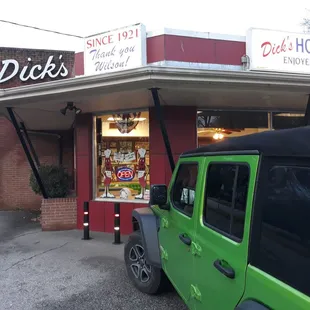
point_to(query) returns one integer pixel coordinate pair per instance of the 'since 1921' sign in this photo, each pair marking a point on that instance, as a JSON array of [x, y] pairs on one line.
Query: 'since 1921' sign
[[120, 49], [278, 51], [11, 68]]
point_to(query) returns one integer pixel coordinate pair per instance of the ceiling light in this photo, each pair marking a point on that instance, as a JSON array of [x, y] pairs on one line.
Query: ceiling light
[[112, 119], [289, 114], [218, 136]]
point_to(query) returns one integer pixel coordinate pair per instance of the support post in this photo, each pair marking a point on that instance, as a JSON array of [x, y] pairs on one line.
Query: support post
[[159, 115], [34, 154], [307, 113], [117, 223], [86, 221], [28, 155], [60, 141]]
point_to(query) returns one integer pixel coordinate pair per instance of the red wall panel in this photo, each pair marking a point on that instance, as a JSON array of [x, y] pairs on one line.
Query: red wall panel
[[155, 47], [79, 63], [83, 163], [199, 50], [101, 216], [189, 49], [96, 216], [181, 127], [229, 52]]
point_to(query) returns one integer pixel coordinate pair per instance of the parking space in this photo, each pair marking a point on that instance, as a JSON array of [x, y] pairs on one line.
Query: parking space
[[58, 270]]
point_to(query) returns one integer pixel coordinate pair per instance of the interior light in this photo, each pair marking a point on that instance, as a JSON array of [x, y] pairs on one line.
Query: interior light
[[218, 136], [289, 114], [140, 119]]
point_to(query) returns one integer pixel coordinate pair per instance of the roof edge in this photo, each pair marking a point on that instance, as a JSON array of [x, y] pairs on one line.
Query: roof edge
[[156, 74], [195, 34]]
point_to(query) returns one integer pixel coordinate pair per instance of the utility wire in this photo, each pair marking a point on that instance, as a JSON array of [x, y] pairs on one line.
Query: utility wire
[[41, 29]]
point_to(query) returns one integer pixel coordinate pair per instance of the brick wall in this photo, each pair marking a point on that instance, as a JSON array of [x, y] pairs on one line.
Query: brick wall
[[38, 57], [15, 191], [14, 167], [58, 214]]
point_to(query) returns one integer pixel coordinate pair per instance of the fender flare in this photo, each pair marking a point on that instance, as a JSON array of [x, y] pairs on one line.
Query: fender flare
[[149, 226], [251, 305]]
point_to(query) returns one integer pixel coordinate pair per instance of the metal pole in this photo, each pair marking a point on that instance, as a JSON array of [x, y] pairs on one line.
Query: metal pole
[[28, 155], [307, 113], [60, 144], [86, 221], [164, 132], [34, 154], [117, 223]]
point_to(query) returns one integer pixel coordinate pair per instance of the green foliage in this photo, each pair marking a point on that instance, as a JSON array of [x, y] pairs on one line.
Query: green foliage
[[55, 180]]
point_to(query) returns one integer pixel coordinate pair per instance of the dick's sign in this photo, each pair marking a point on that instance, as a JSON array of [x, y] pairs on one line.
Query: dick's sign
[[20, 67], [270, 50]]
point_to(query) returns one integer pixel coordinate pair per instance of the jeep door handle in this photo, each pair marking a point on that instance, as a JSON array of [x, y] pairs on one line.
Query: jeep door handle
[[226, 271], [184, 239]]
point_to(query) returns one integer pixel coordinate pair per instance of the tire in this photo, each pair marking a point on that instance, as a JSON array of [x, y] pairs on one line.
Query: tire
[[146, 278]]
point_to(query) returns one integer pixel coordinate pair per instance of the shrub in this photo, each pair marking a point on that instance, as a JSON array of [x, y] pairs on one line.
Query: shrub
[[55, 180]]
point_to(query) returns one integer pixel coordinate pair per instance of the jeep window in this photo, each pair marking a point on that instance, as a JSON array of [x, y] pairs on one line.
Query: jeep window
[[283, 250], [183, 192], [226, 196]]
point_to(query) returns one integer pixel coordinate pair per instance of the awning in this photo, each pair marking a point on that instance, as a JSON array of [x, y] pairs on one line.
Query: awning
[[38, 105]]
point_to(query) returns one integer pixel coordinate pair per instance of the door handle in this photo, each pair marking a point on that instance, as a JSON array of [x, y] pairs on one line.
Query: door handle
[[186, 240], [225, 270]]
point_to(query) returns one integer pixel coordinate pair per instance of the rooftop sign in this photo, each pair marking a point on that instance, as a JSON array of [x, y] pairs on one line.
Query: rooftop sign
[[115, 50], [278, 51]]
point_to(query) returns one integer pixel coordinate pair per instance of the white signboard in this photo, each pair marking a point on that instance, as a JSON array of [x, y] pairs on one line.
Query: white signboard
[[278, 51], [116, 50]]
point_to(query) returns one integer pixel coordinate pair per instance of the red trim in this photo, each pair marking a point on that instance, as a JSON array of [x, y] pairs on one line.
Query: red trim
[[200, 50], [79, 64], [155, 49], [186, 49]]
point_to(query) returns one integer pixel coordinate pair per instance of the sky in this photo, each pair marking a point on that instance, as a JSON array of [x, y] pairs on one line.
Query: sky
[[90, 17]]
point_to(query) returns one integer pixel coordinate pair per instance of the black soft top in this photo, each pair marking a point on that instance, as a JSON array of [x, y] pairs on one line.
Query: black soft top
[[284, 142]]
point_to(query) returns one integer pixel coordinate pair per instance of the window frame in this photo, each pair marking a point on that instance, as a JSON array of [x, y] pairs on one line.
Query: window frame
[[265, 165], [205, 207], [173, 186], [94, 158]]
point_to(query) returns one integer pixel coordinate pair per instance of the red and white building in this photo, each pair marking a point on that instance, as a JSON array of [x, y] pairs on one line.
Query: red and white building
[[145, 98]]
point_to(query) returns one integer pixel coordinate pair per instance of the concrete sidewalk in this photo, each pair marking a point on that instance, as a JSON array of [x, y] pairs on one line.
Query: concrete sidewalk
[[58, 270]]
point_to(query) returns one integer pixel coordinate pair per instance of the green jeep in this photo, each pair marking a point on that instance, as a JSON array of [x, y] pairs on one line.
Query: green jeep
[[232, 230]]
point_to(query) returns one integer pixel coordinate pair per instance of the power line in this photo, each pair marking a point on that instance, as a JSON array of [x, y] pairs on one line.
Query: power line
[[40, 29]]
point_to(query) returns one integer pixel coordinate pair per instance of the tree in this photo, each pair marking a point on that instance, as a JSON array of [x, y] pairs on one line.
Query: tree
[[306, 23]]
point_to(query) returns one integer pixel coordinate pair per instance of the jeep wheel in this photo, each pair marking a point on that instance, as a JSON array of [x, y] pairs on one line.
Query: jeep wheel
[[148, 279]]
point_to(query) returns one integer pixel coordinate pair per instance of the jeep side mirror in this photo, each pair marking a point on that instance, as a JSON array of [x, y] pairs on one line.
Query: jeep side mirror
[[159, 196]]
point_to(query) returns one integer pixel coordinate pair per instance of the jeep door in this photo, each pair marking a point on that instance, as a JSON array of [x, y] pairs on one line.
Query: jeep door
[[222, 232], [178, 225]]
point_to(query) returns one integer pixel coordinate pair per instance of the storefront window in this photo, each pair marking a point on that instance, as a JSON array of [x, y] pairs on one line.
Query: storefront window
[[214, 126], [287, 120], [122, 153]]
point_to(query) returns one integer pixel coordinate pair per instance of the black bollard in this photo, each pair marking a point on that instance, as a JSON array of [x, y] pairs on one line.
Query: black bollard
[[86, 221], [117, 222]]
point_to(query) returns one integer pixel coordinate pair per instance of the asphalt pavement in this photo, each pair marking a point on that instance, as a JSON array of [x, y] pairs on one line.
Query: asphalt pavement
[[58, 270]]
